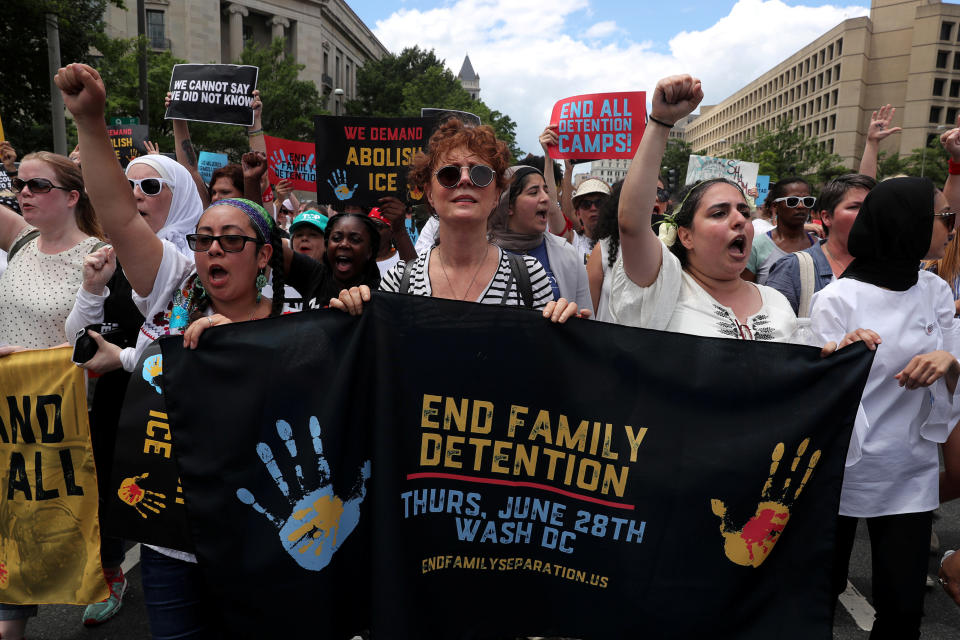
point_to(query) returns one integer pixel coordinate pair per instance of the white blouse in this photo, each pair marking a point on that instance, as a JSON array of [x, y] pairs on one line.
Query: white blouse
[[892, 464], [676, 302]]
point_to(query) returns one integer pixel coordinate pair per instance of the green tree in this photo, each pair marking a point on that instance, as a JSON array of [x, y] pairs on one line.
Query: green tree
[[931, 163], [787, 151], [398, 85], [676, 157], [24, 74]]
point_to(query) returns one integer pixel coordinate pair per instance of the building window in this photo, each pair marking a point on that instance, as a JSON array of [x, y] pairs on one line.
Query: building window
[[326, 63], [348, 77], [951, 115], [826, 101], [935, 113], [833, 125], [955, 88], [155, 30], [819, 105], [938, 86], [839, 46], [836, 92], [829, 75], [946, 31], [956, 61], [942, 59]]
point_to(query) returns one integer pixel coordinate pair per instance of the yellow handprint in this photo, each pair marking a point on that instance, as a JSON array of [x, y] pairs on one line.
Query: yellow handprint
[[139, 498], [751, 545]]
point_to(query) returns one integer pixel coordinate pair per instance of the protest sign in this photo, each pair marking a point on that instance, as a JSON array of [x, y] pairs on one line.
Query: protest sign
[[209, 162], [599, 126], [420, 509], [127, 141], [442, 115], [360, 160], [763, 187], [708, 167], [294, 161], [145, 502], [219, 93], [49, 535]]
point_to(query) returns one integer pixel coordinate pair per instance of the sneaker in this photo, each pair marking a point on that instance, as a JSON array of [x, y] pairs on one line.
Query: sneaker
[[100, 612]]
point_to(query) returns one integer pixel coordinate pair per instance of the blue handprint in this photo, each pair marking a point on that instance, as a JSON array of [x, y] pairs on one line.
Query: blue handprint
[[153, 369], [308, 170], [338, 182], [282, 166], [318, 518]]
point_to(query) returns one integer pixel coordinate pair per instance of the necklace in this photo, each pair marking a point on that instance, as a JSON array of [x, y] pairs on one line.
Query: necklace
[[832, 260], [472, 280]]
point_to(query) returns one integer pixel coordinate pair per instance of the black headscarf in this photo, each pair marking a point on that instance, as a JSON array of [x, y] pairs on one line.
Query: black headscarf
[[891, 234]]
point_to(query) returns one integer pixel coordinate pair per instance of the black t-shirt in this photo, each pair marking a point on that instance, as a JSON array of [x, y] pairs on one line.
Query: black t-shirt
[[316, 283]]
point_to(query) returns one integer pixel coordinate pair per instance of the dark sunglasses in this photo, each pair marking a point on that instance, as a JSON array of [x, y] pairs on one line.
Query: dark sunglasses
[[37, 185], [949, 218], [149, 186], [230, 243], [586, 204], [794, 201], [449, 176], [662, 195]]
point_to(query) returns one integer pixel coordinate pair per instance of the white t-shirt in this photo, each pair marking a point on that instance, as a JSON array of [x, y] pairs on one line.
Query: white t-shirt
[[676, 302], [427, 235], [761, 226], [37, 292], [603, 313], [386, 265], [892, 461], [583, 245]]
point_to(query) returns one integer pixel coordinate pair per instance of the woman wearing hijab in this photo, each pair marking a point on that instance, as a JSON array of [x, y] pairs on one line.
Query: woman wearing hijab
[[519, 225], [908, 405]]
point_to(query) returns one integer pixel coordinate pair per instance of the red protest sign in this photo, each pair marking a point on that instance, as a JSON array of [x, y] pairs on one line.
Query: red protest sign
[[599, 125], [292, 160]]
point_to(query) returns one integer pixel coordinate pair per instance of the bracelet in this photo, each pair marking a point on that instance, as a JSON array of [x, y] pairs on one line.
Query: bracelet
[[255, 132], [953, 168], [660, 122]]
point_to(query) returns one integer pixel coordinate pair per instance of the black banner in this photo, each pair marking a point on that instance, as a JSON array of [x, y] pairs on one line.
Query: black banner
[[360, 160], [145, 502], [219, 93], [443, 469], [127, 141]]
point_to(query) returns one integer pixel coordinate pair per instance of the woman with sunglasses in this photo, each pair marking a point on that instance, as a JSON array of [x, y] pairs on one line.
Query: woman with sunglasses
[[791, 202], [234, 242], [462, 174], [909, 404]]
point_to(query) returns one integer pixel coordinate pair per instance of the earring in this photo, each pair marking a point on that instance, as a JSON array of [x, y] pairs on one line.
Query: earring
[[260, 284]]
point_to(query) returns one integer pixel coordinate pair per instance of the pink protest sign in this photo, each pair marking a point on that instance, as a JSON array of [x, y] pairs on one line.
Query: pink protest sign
[[599, 125]]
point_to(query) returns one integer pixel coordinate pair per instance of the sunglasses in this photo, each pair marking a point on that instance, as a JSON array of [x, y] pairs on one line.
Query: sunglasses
[[662, 195], [795, 201], [449, 176], [587, 204], [949, 218], [37, 185], [230, 243], [150, 186]]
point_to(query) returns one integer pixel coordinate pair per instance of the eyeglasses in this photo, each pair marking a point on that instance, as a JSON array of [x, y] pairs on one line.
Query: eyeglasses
[[949, 218], [149, 186], [662, 195], [230, 243], [795, 201], [587, 204], [37, 185], [449, 176]]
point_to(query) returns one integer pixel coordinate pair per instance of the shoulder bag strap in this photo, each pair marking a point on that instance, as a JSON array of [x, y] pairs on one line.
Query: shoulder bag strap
[[807, 276]]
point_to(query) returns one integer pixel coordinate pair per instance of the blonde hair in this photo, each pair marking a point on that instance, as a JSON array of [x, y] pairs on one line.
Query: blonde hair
[[69, 176]]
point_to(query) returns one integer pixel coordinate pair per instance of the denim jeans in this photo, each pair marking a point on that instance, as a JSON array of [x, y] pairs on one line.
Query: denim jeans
[[175, 594]]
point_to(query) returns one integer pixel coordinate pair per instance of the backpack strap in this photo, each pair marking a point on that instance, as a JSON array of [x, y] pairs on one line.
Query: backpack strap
[[19, 244], [807, 276], [405, 278], [518, 272]]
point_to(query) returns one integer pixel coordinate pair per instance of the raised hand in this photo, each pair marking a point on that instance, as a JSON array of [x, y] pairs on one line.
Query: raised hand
[[549, 138], [98, 268], [951, 141], [152, 149], [338, 182], [880, 123], [83, 91], [254, 164], [283, 189], [393, 210], [132, 494], [319, 521], [676, 97], [751, 544]]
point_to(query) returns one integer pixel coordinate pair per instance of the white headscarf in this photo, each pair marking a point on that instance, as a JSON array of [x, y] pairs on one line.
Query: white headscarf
[[186, 206]]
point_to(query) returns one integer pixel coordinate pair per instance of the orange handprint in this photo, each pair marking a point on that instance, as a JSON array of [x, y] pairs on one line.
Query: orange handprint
[[139, 498], [751, 545]]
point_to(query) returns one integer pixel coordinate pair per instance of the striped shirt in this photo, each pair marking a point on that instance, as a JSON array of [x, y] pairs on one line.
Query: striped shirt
[[493, 294]]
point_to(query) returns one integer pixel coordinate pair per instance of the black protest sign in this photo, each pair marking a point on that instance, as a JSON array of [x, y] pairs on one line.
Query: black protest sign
[[360, 160], [127, 141], [145, 502], [219, 93], [482, 499]]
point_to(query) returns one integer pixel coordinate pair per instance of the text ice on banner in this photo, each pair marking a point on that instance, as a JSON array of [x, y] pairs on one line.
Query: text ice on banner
[[599, 126], [221, 93]]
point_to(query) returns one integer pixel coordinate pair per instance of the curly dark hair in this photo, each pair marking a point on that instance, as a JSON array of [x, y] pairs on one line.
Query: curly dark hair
[[453, 134]]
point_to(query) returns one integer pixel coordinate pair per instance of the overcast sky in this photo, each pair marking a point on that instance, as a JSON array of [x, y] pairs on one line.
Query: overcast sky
[[531, 54]]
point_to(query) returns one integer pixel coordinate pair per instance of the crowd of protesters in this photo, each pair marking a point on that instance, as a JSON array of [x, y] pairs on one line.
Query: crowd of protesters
[[863, 261]]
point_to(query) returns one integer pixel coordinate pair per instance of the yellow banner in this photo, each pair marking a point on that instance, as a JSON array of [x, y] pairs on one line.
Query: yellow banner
[[49, 532]]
